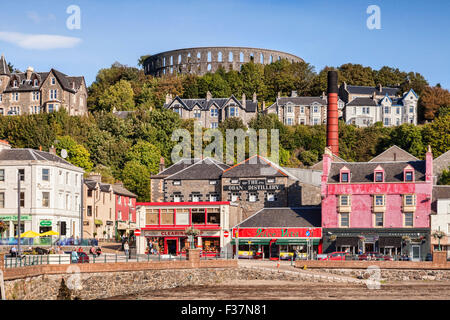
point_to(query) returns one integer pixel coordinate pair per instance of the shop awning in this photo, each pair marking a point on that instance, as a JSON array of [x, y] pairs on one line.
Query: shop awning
[[252, 241], [395, 242], [296, 241], [347, 241], [98, 222]]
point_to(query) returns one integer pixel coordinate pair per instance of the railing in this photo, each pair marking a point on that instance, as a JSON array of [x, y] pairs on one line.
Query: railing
[[67, 258], [48, 241]]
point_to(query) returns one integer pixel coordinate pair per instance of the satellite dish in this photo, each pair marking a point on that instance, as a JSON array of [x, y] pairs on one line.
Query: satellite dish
[[63, 153]]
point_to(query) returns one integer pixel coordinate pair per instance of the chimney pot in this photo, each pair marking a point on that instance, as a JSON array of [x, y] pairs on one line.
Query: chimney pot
[[294, 93], [168, 98], [52, 150], [254, 97], [208, 96]]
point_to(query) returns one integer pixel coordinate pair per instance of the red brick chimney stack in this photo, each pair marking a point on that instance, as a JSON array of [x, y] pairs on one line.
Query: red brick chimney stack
[[332, 113]]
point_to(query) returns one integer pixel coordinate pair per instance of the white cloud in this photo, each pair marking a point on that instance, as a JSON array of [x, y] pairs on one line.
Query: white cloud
[[39, 41]]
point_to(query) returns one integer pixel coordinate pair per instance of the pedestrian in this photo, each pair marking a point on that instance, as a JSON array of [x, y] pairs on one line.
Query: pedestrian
[[126, 247], [99, 251], [74, 257], [13, 252]]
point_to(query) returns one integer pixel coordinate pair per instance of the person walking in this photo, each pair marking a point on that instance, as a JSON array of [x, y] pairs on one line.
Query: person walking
[[126, 247]]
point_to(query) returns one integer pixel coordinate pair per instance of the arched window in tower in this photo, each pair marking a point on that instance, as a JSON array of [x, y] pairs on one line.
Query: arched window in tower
[[271, 59], [171, 60], [241, 57], [252, 57], [179, 58], [261, 58], [230, 57], [209, 66], [209, 56], [199, 56], [219, 56]]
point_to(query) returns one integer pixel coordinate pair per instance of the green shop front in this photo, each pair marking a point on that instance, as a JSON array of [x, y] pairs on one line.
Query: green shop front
[[261, 237]]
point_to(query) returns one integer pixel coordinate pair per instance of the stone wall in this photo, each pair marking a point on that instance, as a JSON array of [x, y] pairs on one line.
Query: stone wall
[[100, 285], [394, 274], [401, 265], [209, 59]]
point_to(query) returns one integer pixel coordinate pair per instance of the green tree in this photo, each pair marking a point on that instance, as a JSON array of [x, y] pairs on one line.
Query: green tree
[[437, 135], [356, 74], [445, 177], [136, 178], [119, 96], [146, 154], [415, 81], [77, 154], [389, 77], [252, 76]]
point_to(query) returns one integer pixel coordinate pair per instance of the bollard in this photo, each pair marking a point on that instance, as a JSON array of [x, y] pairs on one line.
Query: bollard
[[105, 257], [137, 257], [116, 257], [148, 257]]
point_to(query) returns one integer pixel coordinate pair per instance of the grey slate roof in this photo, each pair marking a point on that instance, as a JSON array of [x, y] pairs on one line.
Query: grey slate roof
[[370, 90], [439, 192], [24, 85], [357, 102], [394, 153], [29, 155], [301, 217], [91, 184], [204, 104], [206, 169], [261, 168], [364, 171], [176, 167], [118, 189], [301, 100]]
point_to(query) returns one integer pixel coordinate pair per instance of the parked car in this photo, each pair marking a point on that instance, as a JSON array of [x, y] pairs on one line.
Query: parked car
[[375, 256], [338, 255]]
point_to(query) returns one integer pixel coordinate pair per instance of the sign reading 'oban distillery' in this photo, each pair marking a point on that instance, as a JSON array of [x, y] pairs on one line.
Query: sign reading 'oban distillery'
[[253, 185]]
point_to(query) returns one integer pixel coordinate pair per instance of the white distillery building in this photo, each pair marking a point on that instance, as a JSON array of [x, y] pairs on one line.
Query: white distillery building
[[50, 188]]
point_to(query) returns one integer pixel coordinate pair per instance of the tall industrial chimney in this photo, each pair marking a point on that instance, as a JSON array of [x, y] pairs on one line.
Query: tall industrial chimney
[[332, 113]]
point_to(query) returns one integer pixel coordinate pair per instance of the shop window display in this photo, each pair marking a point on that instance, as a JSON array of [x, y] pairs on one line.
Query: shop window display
[[211, 245], [198, 216], [151, 216], [167, 216], [213, 215]]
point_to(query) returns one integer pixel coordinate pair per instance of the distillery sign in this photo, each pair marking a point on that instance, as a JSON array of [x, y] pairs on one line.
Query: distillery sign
[[278, 233], [253, 185]]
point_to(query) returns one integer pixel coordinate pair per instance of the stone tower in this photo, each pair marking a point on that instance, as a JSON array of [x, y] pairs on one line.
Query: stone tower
[[4, 73]]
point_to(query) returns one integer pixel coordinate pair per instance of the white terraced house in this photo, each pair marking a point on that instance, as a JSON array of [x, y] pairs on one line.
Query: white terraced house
[[366, 105], [50, 192]]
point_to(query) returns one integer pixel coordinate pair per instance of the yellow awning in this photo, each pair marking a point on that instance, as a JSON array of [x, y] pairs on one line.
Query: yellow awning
[[49, 233], [29, 234]]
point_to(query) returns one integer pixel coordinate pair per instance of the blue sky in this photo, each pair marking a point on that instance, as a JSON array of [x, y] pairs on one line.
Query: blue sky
[[414, 35]]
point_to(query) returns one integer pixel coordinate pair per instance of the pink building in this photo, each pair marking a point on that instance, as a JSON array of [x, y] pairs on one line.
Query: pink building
[[381, 206], [125, 203]]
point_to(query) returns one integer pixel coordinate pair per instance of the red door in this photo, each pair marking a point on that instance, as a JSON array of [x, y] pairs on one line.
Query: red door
[[171, 246]]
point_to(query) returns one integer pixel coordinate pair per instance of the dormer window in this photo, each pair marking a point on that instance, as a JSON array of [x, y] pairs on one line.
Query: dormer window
[[379, 176], [197, 114], [36, 83], [345, 175], [15, 83], [53, 81], [408, 174]]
